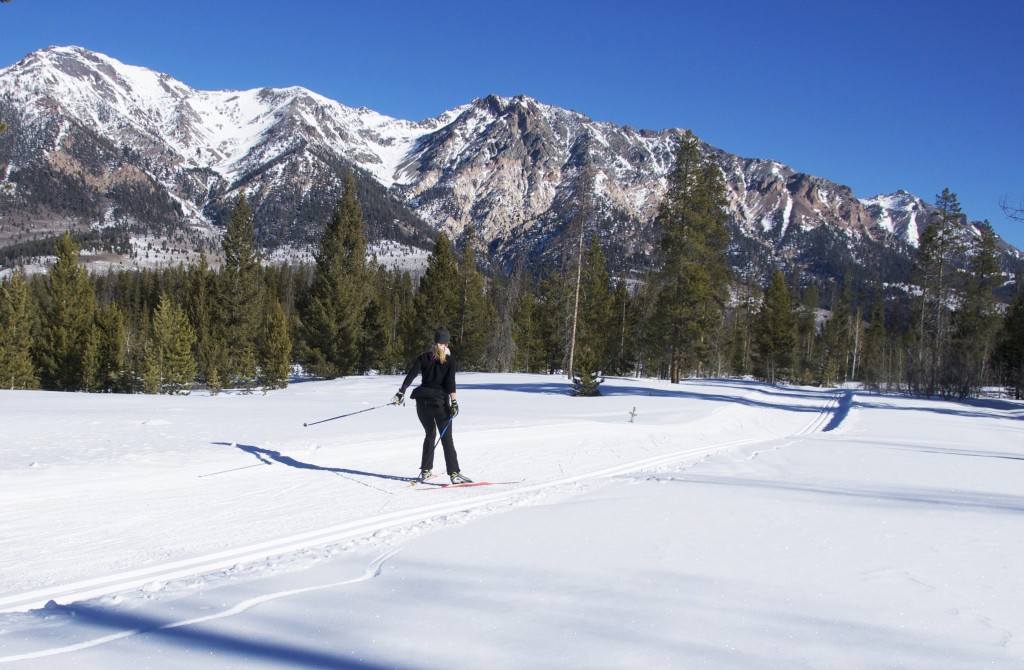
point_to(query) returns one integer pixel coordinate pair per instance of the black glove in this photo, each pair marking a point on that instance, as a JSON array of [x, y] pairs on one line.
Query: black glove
[[454, 410], [399, 398]]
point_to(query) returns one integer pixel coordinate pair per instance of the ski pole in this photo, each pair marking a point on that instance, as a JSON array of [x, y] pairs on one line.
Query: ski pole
[[313, 423], [442, 432]]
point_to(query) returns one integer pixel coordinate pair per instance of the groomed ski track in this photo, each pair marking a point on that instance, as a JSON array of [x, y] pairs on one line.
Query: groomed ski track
[[486, 501]]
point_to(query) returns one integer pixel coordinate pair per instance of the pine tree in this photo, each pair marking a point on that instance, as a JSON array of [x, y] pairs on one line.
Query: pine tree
[[66, 319], [438, 297], [241, 296], [389, 321], [692, 284], [775, 332], [624, 332], [939, 249], [474, 318], [834, 343], [976, 320], [112, 350], [17, 314], [596, 330], [873, 362], [1011, 344], [334, 316], [553, 321], [275, 347], [807, 335], [200, 302], [169, 364]]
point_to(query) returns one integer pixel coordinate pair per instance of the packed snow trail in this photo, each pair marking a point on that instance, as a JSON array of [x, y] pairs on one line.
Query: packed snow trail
[[542, 482], [731, 525]]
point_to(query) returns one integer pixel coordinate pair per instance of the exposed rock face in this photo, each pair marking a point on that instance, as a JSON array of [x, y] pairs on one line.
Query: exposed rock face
[[96, 142]]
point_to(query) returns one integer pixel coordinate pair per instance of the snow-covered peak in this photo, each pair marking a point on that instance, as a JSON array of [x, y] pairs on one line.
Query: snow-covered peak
[[226, 131], [900, 214]]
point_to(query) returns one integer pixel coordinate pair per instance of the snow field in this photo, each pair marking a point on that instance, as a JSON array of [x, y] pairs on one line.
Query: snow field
[[730, 525]]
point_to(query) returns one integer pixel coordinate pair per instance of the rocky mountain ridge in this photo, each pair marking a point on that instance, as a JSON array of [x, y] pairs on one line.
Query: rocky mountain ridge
[[96, 143]]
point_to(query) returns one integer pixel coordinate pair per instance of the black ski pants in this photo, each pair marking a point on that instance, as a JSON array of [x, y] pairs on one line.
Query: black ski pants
[[434, 417]]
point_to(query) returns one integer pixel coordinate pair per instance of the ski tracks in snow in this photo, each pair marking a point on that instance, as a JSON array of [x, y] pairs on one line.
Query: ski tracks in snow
[[372, 571], [457, 506]]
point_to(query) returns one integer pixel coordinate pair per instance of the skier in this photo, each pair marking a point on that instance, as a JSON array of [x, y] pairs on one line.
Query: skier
[[436, 406]]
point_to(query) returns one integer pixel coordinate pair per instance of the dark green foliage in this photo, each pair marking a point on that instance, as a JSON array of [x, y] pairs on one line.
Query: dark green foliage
[[940, 250], [586, 382], [111, 351], [438, 299], [17, 319], [775, 333], [67, 314], [169, 365], [692, 280], [333, 319], [474, 318], [976, 320], [241, 297], [274, 346], [114, 240], [388, 322], [1011, 345]]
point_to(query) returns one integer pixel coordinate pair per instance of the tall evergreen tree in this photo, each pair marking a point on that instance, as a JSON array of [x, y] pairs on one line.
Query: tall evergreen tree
[[1011, 344], [939, 249], [624, 333], [241, 295], [275, 347], [17, 314], [976, 321], [112, 350], [835, 341], [775, 332], [169, 364], [596, 330], [201, 305], [528, 354], [335, 312], [473, 325], [807, 335], [438, 297], [873, 362], [693, 280], [66, 319]]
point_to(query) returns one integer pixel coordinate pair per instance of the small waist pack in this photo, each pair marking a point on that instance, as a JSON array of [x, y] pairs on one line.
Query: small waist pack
[[428, 395]]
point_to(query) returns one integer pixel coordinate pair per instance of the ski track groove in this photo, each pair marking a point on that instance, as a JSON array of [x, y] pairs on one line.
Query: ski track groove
[[371, 572], [134, 579]]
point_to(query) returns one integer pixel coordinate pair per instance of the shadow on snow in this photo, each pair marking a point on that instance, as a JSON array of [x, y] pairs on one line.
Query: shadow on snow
[[268, 456], [192, 637]]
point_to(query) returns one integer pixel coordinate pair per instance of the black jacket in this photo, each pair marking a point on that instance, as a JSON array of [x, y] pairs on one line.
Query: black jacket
[[438, 378]]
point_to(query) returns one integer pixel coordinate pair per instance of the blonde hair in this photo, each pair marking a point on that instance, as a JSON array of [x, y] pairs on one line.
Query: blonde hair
[[441, 351]]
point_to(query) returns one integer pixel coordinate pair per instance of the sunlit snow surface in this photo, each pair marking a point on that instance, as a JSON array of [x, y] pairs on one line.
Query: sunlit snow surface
[[728, 525]]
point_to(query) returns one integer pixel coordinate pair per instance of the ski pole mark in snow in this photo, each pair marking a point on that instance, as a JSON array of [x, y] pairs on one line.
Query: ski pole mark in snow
[[244, 467], [373, 570]]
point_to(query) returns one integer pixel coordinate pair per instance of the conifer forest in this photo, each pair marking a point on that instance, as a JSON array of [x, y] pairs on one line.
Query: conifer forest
[[244, 323]]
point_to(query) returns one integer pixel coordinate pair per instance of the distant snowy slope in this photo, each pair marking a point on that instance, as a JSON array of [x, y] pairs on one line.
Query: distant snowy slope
[[98, 142]]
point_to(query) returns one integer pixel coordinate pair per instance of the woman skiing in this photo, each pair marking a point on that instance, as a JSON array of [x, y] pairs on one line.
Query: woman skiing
[[435, 404]]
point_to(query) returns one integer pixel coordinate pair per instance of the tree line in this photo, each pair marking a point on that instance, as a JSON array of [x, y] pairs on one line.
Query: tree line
[[250, 325]]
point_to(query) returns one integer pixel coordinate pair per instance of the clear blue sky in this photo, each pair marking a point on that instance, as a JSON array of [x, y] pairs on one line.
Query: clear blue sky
[[877, 95]]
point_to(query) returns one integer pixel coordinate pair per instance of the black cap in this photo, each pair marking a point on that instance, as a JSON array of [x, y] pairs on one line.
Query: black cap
[[441, 336]]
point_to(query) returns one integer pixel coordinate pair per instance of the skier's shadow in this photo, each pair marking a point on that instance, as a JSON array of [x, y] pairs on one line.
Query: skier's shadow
[[269, 456]]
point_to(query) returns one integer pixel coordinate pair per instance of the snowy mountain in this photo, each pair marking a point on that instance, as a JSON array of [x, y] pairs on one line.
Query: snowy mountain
[[95, 142]]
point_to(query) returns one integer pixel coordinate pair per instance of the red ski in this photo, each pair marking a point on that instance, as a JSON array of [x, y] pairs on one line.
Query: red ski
[[455, 486]]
